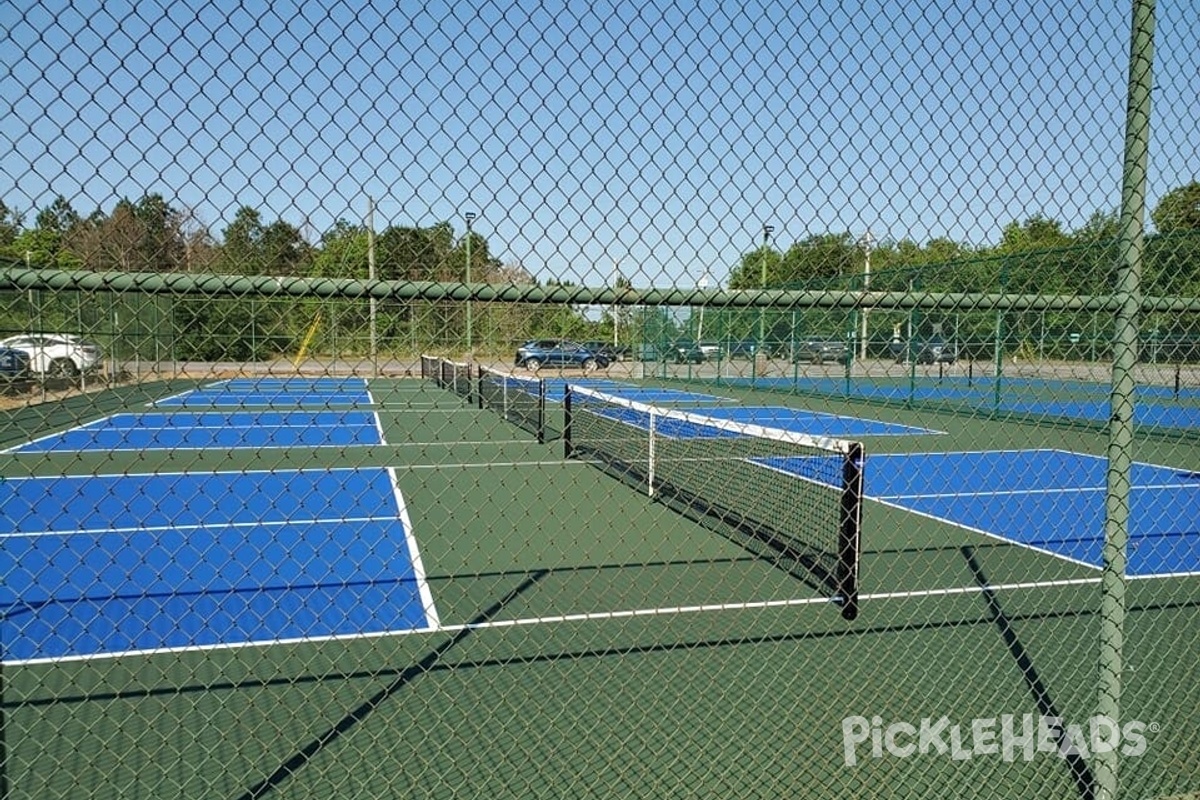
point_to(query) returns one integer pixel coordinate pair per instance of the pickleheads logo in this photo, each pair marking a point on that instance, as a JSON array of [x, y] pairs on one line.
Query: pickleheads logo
[[1008, 737]]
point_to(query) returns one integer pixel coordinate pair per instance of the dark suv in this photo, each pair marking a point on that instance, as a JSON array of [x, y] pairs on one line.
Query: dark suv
[[818, 351], [688, 353], [14, 368], [937, 352], [559, 353], [606, 349]]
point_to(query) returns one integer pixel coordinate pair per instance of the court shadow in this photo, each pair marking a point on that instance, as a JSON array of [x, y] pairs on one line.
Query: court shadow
[[364, 710], [1081, 773]]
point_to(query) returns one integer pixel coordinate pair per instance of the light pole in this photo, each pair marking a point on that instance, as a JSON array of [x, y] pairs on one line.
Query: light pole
[[867, 240], [372, 306], [470, 217], [616, 285], [762, 284]]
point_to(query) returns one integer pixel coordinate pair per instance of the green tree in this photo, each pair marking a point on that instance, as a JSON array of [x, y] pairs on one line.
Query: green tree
[[424, 254], [241, 251], [1035, 233], [252, 247], [145, 236], [342, 252], [10, 226], [832, 259], [750, 271], [1178, 210], [42, 245]]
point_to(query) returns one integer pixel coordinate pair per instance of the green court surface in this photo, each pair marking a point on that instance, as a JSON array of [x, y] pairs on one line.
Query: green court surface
[[593, 642]]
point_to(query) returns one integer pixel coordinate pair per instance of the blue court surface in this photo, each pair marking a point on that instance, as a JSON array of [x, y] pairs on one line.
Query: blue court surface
[[556, 388], [1158, 407], [1148, 415], [1048, 500], [182, 430], [275, 393], [110, 564]]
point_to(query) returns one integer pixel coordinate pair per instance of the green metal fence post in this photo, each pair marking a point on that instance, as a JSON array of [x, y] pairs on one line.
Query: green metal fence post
[[998, 348], [1120, 448]]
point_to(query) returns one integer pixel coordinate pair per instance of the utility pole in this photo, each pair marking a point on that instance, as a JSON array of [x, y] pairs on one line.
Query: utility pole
[[470, 217], [762, 284], [616, 279], [867, 241], [371, 304]]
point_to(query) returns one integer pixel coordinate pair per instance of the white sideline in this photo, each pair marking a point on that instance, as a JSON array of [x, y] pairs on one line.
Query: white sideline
[[594, 616]]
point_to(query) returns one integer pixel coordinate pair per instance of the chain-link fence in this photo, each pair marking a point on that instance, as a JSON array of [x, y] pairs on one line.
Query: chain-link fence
[[620, 400]]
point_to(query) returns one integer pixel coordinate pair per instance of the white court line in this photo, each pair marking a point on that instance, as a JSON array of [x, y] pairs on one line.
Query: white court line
[[491, 464], [375, 416], [189, 448], [185, 393], [989, 534], [1019, 492], [400, 409], [414, 554], [896, 501], [129, 531], [431, 405], [185, 473], [592, 616], [17, 447], [476, 443]]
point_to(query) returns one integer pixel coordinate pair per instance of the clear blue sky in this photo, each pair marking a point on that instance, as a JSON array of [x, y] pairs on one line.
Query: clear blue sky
[[659, 136]]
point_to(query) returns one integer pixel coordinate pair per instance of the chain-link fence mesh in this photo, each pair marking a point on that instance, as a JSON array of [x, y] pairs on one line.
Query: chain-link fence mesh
[[471, 401]]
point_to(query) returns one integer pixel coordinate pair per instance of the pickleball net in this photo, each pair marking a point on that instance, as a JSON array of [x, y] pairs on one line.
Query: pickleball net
[[431, 369], [446, 374], [789, 497], [519, 400]]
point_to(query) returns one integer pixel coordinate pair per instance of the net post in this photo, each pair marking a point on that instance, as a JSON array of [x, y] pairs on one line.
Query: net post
[[850, 530], [568, 448], [479, 404]]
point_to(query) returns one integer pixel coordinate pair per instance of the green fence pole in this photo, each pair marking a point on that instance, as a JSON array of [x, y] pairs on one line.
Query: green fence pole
[[1120, 447], [998, 348]]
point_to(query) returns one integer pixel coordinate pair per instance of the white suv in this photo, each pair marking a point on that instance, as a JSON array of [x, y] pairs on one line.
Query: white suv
[[56, 355]]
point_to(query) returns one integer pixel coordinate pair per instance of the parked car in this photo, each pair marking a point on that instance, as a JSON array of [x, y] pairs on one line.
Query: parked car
[[14, 366], [540, 353], [606, 349], [741, 349], [57, 355], [936, 352], [688, 353], [819, 351], [646, 352]]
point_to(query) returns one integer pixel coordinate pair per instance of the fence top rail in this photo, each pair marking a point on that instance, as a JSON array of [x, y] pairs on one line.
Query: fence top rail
[[211, 285]]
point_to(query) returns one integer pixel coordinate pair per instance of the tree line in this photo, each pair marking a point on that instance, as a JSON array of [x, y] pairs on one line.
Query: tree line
[[1035, 255]]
